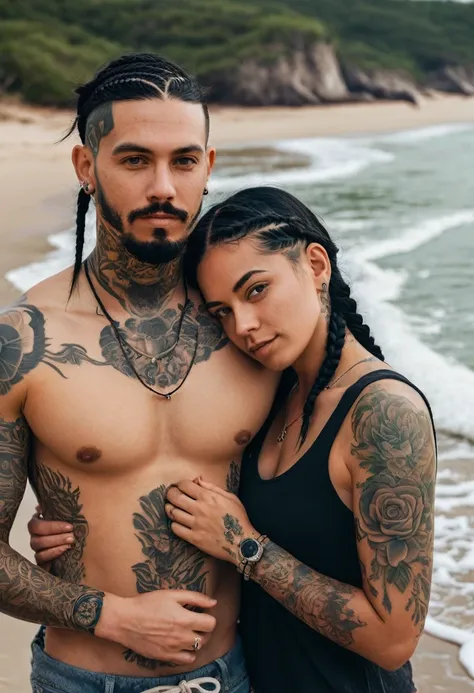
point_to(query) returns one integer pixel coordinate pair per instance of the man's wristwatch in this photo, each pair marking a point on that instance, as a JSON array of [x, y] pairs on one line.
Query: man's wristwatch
[[250, 552]]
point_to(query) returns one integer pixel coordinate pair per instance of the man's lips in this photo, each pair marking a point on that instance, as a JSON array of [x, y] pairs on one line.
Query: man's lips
[[160, 216]]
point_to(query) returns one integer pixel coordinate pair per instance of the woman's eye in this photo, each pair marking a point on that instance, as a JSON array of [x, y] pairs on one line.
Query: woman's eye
[[257, 290]]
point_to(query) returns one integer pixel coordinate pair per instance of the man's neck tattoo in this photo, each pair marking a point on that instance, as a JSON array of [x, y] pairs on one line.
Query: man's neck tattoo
[[139, 287], [99, 124]]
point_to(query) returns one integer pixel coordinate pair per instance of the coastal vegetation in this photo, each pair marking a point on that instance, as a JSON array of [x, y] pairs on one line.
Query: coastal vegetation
[[47, 47]]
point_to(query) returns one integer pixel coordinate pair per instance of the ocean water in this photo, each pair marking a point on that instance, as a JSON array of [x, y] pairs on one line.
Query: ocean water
[[401, 207]]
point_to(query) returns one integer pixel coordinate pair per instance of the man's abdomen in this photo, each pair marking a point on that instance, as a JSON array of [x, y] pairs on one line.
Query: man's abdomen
[[124, 546]]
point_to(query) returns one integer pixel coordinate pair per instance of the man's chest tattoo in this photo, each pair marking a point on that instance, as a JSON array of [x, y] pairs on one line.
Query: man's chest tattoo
[[160, 352]]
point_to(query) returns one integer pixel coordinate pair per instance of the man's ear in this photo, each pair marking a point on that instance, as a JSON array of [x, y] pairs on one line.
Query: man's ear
[[83, 162], [211, 159]]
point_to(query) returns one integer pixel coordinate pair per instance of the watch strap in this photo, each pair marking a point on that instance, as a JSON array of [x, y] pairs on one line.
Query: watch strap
[[245, 566]]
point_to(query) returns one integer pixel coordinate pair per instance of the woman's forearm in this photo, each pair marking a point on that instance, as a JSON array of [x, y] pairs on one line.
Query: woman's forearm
[[339, 611]]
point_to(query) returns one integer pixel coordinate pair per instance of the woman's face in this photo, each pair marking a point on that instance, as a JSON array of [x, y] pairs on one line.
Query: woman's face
[[268, 304]]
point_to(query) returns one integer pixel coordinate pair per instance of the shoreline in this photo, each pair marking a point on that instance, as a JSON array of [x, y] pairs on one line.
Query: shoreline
[[39, 189]]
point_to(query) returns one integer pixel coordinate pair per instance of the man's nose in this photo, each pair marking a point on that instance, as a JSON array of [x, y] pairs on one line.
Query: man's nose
[[161, 185]]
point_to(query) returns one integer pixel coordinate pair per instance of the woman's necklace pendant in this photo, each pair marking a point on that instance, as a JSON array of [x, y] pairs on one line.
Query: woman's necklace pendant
[[282, 435]]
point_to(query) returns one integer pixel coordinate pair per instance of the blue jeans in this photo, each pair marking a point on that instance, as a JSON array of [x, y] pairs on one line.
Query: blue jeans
[[225, 675]]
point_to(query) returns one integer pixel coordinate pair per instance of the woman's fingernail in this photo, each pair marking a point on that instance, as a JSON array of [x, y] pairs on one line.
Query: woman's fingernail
[[70, 540], [68, 528]]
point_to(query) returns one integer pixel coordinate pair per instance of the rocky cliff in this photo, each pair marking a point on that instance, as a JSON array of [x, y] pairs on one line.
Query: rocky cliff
[[315, 75]]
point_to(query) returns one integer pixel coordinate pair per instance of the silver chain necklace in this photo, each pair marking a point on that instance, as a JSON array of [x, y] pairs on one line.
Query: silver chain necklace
[[286, 426], [122, 343]]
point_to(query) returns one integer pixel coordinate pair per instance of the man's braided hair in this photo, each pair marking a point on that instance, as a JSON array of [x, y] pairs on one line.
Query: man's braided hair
[[279, 221]]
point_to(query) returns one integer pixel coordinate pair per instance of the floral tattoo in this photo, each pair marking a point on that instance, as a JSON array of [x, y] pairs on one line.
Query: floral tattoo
[[233, 528], [394, 443]]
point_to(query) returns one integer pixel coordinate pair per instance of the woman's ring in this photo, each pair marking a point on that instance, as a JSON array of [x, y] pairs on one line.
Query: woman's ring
[[197, 643]]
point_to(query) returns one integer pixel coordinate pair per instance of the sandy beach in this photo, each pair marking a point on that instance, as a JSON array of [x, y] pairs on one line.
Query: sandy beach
[[38, 198]]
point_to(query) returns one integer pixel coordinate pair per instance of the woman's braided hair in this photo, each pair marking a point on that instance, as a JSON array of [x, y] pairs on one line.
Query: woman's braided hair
[[279, 221], [132, 77]]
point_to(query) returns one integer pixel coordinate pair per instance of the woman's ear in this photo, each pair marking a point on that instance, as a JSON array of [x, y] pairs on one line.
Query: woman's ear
[[319, 263]]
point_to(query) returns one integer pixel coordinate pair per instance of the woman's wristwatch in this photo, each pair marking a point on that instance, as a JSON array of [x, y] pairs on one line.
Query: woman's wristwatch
[[250, 552]]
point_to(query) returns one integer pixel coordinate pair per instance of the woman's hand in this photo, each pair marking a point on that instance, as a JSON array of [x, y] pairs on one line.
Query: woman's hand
[[208, 517], [49, 539]]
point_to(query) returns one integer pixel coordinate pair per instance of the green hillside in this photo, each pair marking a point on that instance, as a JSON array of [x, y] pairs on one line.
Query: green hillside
[[47, 47]]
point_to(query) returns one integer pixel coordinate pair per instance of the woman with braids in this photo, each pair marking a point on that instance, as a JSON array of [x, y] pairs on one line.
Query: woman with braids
[[333, 531]]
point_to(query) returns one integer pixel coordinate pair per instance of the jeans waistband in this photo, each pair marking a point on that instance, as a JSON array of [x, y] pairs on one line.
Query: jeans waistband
[[228, 670]]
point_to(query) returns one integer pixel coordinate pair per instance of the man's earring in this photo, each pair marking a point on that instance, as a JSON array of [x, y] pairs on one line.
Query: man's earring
[[205, 191], [86, 187]]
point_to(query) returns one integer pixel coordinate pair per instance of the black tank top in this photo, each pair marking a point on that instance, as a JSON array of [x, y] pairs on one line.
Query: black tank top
[[301, 512]]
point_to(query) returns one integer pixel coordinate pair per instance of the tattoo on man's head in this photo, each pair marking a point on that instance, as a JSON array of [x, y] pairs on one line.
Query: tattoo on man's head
[[99, 124]]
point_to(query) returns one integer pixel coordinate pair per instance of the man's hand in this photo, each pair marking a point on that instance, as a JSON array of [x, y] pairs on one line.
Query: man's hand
[[158, 625], [49, 539]]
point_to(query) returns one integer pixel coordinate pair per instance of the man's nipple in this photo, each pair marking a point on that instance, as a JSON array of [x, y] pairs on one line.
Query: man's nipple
[[88, 454]]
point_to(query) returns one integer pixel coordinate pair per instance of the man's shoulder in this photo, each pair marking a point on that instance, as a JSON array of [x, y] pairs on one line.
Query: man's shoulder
[[23, 338], [47, 297]]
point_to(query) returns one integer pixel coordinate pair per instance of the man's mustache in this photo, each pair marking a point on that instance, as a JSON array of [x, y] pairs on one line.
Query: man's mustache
[[155, 207]]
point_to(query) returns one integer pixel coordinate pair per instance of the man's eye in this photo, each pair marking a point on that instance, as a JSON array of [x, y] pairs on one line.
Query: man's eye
[[222, 313], [186, 161], [134, 160]]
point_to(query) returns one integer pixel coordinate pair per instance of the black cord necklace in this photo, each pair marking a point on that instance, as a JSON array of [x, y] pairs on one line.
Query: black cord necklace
[[123, 343]]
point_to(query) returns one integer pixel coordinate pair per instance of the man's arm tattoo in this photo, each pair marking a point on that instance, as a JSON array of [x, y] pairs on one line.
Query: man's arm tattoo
[[321, 602], [24, 345], [26, 591], [394, 444]]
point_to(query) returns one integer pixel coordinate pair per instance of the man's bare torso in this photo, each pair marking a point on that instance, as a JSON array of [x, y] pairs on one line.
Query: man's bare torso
[[105, 449]]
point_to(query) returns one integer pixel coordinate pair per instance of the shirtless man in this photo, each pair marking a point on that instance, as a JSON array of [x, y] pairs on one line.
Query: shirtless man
[[114, 383]]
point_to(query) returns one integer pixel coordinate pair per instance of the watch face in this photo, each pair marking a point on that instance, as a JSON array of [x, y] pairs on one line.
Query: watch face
[[249, 548]]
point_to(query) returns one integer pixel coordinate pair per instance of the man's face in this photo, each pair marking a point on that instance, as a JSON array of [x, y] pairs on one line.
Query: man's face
[[149, 166]]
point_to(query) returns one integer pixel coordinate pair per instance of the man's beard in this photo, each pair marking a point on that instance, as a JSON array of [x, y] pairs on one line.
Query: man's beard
[[155, 252]]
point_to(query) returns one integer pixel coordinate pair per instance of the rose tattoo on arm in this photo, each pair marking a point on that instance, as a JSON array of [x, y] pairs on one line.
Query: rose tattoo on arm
[[394, 444]]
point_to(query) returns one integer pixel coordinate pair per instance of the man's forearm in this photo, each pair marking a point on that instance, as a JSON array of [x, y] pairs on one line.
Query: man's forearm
[[31, 594]]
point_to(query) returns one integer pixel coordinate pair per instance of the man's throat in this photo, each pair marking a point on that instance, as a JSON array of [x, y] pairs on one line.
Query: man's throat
[[141, 289]]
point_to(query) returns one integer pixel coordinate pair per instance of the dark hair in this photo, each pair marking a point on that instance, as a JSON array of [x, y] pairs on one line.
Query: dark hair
[[279, 221], [132, 77]]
